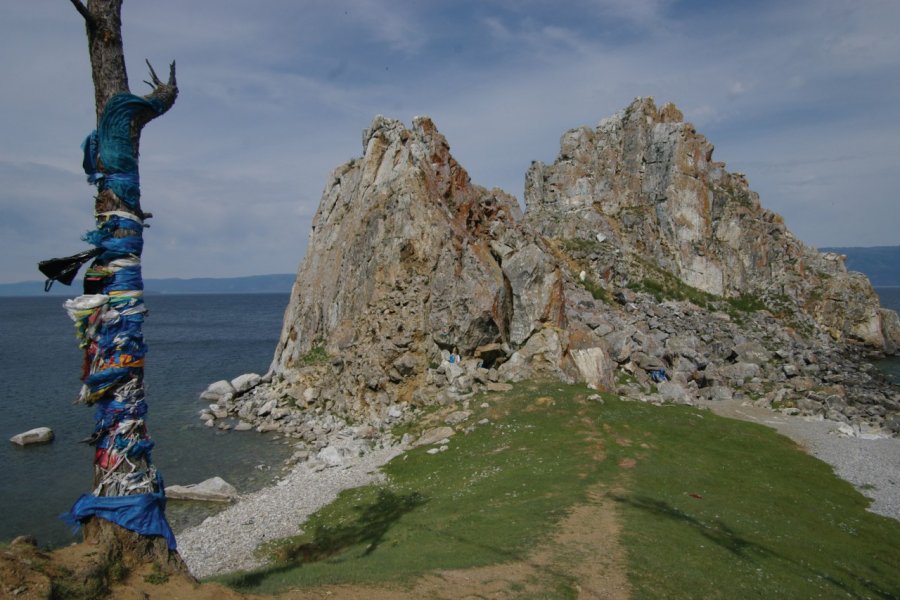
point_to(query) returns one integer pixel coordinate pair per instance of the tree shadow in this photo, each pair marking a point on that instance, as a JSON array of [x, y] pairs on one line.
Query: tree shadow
[[369, 528], [716, 531], [723, 535]]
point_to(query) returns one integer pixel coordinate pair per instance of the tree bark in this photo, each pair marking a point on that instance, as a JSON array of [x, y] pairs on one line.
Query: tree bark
[[103, 23]]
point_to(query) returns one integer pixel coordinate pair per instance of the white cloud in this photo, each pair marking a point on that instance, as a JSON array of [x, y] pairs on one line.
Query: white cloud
[[274, 96]]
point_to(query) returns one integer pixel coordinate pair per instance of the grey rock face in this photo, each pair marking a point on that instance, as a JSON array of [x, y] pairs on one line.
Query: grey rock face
[[408, 259], [645, 181], [642, 266]]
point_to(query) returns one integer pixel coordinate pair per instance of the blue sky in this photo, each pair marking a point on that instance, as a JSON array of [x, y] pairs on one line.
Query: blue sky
[[801, 96]]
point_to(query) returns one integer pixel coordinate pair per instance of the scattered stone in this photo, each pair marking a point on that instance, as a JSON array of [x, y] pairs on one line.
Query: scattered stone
[[457, 417], [214, 489], [497, 386], [330, 456], [217, 390], [433, 436], [267, 408], [790, 370], [246, 382], [38, 435], [243, 426]]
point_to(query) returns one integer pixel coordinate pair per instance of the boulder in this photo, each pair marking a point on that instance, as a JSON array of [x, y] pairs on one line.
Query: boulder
[[457, 417], [595, 366], [217, 390], [673, 392], [38, 435], [433, 436], [246, 382], [214, 489], [330, 456]]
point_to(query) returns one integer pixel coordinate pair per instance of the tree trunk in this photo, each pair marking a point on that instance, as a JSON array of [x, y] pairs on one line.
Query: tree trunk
[[110, 329]]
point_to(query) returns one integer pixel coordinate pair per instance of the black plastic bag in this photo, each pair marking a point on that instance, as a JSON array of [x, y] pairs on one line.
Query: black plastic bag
[[65, 269]]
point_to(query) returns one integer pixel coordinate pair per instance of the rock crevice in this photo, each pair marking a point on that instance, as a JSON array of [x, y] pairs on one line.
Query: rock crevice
[[641, 266]]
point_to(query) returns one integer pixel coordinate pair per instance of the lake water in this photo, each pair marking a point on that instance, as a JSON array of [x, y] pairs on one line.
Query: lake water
[[890, 298], [193, 340]]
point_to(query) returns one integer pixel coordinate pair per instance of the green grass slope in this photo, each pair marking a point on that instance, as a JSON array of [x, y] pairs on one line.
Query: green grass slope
[[706, 507]]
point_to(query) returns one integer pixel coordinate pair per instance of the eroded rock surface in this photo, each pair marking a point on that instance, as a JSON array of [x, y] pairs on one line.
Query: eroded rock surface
[[641, 266]]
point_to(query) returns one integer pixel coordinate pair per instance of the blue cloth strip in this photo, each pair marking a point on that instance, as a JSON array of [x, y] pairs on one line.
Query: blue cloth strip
[[144, 513]]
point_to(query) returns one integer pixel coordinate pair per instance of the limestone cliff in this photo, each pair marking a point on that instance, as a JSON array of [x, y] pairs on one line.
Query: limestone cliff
[[641, 266], [408, 259], [646, 182]]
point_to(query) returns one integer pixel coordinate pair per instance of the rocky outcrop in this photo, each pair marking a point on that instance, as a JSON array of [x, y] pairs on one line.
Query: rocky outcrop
[[646, 184], [641, 267], [409, 262]]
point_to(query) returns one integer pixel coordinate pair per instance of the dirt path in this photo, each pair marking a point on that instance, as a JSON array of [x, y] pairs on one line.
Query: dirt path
[[585, 554]]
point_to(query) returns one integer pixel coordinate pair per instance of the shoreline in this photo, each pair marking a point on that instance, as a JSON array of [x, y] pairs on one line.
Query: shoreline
[[226, 542], [870, 464]]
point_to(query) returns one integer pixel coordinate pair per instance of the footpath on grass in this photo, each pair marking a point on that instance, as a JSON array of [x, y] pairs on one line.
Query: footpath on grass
[[554, 491], [693, 505]]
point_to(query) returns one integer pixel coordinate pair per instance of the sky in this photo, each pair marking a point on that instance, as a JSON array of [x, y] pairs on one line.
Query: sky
[[801, 96]]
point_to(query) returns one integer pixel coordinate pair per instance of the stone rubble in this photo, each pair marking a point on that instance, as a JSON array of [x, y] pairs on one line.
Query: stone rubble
[[228, 541]]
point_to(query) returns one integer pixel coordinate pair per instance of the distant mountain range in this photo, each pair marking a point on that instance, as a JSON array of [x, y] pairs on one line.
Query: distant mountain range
[[881, 264], [257, 284]]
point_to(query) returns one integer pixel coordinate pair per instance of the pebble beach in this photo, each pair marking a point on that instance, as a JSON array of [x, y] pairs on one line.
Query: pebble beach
[[227, 541]]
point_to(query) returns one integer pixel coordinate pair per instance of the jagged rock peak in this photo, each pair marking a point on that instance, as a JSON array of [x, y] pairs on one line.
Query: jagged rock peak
[[408, 259], [646, 181], [419, 287]]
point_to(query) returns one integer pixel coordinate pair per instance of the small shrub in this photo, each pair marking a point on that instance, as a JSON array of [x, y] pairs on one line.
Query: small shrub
[[316, 355]]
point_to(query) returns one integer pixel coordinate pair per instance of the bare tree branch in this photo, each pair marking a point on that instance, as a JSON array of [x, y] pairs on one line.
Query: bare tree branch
[[83, 11]]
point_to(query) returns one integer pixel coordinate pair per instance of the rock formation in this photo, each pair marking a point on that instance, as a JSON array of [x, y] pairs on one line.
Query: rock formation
[[641, 266], [408, 259], [646, 182]]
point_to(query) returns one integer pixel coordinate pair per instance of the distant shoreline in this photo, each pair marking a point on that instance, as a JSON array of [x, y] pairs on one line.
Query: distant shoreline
[[279, 283]]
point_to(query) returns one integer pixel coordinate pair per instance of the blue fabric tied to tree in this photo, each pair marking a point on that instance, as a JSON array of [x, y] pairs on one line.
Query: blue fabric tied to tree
[[125, 279], [112, 336], [110, 412], [114, 247], [143, 513], [107, 378], [109, 157]]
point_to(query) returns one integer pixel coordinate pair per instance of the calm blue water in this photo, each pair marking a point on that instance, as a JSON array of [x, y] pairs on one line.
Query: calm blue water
[[890, 298], [193, 340]]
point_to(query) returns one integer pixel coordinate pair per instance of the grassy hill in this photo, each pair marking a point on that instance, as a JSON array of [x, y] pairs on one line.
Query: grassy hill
[[559, 494], [555, 492]]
